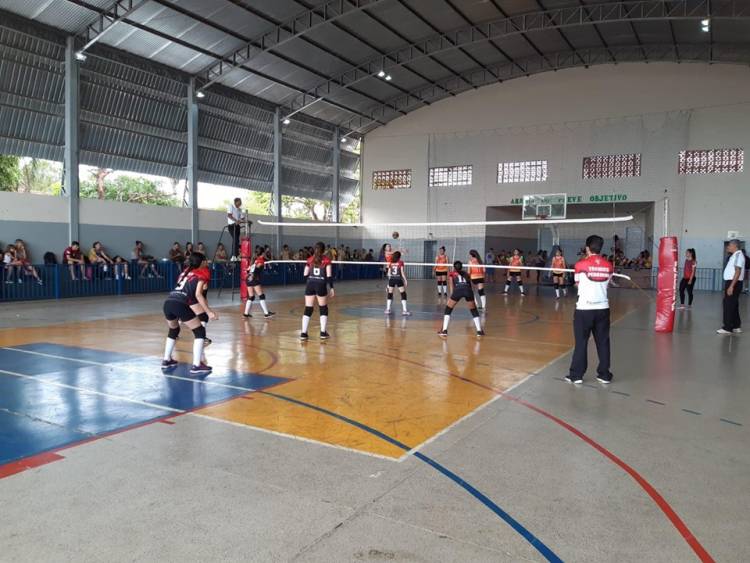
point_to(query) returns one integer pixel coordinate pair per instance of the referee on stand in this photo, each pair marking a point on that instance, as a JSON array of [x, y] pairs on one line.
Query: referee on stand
[[592, 276]]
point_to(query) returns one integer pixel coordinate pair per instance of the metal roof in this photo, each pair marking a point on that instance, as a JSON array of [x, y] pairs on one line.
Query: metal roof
[[322, 57]]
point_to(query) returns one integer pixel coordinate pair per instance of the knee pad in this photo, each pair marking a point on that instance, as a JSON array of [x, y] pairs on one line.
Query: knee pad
[[174, 333], [520, 282], [199, 332], [324, 310], [308, 311], [474, 312], [262, 296], [390, 297], [252, 297], [203, 317], [403, 296], [448, 311], [557, 286], [480, 291]]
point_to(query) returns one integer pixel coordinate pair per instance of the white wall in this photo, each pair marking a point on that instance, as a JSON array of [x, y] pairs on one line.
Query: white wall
[[653, 109]]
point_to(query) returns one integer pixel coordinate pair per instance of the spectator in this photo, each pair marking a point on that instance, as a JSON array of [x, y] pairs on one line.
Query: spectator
[[72, 257], [121, 268], [201, 249], [235, 217], [489, 258], [176, 254], [146, 262], [11, 264], [688, 278], [25, 266], [99, 259], [734, 275], [220, 256], [370, 257], [188, 249], [285, 254]]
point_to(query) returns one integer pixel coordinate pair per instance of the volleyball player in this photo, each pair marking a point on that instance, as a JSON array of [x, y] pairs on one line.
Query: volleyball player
[[319, 274], [441, 272], [558, 275], [460, 286], [396, 278], [514, 272], [254, 287], [184, 304], [476, 273]]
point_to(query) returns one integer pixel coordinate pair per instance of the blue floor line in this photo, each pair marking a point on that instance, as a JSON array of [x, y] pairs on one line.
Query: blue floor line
[[535, 542]]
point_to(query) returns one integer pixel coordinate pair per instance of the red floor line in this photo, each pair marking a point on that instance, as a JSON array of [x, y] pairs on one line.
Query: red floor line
[[26, 463], [650, 490]]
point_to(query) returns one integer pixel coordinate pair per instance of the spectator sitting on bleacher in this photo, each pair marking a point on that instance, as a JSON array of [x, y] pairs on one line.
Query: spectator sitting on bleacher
[[176, 255], [99, 259], [146, 262], [25, 266], [10, 264], [188, 249], [121, 268], [201, 248], [220, 256], [73, 258]]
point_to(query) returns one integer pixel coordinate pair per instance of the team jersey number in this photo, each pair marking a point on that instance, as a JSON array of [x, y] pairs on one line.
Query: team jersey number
[[181, 284], [316, 272], [394, 270]]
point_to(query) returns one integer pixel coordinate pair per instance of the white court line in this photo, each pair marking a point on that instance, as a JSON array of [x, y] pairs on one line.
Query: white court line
[[170, 409]]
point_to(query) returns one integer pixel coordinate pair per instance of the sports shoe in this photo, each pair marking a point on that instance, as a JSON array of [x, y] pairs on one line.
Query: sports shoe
[[722, 331], [269, 314], [202, 369], [737, 330], [443, 333], [303, 336], [406, 314], [577, 379], [168, 364], [387, 311], [247, 315], [480, 333], [681, 307], [324, 336], [505, 293], [604, 380], [39, 282], [207, 342]]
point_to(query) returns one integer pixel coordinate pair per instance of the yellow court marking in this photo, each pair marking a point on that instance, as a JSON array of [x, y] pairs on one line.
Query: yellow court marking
[[392, 375]]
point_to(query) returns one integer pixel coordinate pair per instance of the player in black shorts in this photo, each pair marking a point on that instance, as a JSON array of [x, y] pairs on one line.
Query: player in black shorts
[[396, 278], [254, 287], [319, 275], [460, 288], [184, 305]]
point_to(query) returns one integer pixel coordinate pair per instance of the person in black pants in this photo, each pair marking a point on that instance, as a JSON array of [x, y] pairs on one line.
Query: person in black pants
[[592, 275], [687, 283], [734, 274], [235, 216]]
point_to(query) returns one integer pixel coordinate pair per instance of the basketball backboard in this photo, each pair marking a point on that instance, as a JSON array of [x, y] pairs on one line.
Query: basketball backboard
[[545, 206]]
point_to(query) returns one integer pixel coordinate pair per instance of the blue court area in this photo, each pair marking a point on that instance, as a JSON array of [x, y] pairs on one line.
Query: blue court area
[[52, 395]]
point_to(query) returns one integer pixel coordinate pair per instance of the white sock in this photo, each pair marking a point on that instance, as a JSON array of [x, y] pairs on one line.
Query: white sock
[[557, 293], [484, 301], [445, 289], [323, 323], [305, 323], [565, 291], [169, 348], [446, 321], [248, 306], [507, 287], [477, 323], [388, 304], [264, 306], [197, 351], [403, 305]]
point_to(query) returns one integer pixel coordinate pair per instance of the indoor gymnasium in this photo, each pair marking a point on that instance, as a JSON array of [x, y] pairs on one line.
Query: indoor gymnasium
[[374, 280]]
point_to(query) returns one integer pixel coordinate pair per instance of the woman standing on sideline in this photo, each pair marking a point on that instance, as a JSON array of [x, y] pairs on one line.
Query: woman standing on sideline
[[688, 278]]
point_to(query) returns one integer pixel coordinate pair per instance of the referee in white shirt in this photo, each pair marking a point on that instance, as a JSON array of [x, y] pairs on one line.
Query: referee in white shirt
[[235, 216], [734, 274]]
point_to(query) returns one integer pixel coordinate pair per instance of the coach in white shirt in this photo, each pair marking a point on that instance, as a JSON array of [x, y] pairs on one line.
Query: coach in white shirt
[[734, 274], [235, 216]]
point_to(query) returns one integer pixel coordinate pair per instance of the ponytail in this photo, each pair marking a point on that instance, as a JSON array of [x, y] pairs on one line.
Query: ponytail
[[318, 253], [474, 254], [195, 259]]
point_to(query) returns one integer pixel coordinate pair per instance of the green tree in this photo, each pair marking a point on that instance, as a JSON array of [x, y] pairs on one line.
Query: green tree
[[40, 177], [130, 190], [352, 212], [10, 173]]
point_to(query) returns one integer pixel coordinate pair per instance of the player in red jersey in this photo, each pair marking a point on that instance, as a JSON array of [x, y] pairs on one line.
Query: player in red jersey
[[592, 275], [460, 285], [254, 287], [319, 274], [184, 304], [558, 275], [396, 278]]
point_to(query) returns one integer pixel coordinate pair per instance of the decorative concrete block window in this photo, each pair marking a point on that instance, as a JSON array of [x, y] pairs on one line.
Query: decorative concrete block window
[[526, 171], [611, 166], [711, 161], [391, 179], [449, 176]]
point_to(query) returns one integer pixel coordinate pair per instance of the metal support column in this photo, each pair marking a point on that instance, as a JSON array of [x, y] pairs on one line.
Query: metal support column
[[276, 195], [336, 177], [71, 139], [192, 160]]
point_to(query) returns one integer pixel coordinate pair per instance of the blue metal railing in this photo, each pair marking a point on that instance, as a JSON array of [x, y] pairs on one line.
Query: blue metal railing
[[57, 281]]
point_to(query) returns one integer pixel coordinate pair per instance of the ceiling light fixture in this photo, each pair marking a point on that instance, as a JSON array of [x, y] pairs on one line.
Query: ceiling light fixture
[[388, 77], [80, 56], [381, 74], [287, 121], [200, 94]]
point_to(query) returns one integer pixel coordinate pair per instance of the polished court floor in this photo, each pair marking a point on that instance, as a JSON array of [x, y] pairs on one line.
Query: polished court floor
[[384, 443]]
